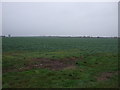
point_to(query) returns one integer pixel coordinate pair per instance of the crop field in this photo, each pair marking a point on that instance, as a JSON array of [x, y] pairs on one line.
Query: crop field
[[59, 62]]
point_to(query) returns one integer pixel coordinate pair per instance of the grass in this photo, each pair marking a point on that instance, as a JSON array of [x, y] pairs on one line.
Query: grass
[[90, 58]]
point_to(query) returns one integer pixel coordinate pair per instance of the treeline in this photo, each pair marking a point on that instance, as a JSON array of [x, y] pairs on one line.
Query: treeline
[[62, 36]]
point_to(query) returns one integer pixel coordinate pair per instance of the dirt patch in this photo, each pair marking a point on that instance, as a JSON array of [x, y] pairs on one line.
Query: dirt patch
[[106, 76], [52, 64]]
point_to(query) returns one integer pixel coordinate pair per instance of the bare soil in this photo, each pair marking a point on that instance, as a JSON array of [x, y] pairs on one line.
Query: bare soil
[[52, 64], [106, 76]]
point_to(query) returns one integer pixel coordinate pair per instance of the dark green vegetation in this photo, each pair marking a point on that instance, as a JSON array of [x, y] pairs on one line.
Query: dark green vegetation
[[50, 62]]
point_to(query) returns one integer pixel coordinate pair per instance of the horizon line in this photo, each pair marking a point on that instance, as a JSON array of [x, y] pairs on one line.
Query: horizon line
[[53, 36]]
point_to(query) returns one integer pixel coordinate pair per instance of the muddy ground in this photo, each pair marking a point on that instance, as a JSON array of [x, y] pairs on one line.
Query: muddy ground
[[52, 64]]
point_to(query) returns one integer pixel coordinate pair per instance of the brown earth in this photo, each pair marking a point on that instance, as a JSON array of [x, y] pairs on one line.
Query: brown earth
[[106, 75], [52, 64]]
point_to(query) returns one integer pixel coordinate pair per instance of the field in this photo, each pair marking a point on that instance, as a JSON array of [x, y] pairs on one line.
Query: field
[[59, 62]]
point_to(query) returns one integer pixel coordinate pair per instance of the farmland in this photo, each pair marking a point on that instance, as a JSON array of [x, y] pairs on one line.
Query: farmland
[[59, 62]]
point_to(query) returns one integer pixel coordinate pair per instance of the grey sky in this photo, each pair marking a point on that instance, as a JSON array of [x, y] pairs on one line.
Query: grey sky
[[0, 18], [93, 19]]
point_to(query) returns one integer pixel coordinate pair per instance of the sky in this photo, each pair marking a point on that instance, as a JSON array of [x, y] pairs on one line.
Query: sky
[[0, 19], [60, 18], [59, 0]]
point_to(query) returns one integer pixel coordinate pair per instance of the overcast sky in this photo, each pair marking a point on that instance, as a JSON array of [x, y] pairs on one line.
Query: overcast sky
[[76, 19]]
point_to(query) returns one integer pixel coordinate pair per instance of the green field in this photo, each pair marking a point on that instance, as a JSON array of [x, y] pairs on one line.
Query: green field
[[59, 62]]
